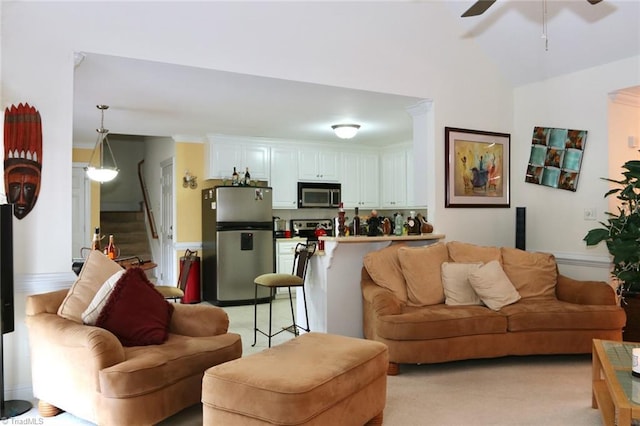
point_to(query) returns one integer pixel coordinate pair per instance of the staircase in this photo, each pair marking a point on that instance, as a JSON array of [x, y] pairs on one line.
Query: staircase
[[129, 233]]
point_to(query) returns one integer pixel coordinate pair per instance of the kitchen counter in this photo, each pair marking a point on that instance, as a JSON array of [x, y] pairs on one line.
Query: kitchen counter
[[334, 297], [366, 239]]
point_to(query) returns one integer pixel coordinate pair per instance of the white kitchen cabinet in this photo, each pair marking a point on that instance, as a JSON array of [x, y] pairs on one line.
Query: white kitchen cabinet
[[360, 183], [284, 254], [284, 177], [223, 154], [393, 188], [318, 164]]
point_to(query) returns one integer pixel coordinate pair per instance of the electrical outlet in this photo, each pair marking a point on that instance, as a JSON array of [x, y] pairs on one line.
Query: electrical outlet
[[590, 214]]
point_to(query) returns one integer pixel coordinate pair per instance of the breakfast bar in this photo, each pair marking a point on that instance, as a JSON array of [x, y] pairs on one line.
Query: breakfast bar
[[334, 298]]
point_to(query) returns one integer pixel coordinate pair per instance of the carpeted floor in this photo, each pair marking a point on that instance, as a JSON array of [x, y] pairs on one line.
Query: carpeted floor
[[536, 390]]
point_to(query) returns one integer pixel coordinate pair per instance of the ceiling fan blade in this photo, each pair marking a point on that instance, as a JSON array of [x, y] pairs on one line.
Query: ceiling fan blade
[[594, 1], [479, 7]]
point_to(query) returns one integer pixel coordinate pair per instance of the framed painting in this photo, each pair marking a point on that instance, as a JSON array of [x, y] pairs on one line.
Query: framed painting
[[556, 156], [476, 168]]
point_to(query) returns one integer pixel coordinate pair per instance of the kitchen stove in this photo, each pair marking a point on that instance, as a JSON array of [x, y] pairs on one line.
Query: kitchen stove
[[306, 228]]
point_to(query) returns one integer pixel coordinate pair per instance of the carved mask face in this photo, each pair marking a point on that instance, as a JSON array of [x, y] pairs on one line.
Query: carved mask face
[[22, 184]]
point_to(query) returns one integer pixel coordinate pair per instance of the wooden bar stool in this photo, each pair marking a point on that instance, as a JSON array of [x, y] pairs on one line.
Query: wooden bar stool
[[273, 281]]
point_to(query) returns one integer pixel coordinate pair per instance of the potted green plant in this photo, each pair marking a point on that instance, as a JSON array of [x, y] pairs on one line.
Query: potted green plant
[[621, 231]]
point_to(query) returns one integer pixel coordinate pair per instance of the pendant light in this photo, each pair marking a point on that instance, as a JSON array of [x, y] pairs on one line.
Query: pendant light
[[102, 173]]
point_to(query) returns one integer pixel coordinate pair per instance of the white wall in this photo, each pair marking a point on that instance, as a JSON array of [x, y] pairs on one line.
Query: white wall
[[555, 218], [364, 45]]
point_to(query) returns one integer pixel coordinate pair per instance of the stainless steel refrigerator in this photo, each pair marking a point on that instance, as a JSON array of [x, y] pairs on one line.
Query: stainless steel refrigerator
[[237, 243]]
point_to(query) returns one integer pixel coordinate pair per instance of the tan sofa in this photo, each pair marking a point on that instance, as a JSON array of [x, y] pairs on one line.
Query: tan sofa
[[454, 301], [86, 370]]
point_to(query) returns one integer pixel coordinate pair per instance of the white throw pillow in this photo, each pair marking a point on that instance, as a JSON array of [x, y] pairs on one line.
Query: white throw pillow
[[91, 314], [455, 280], [493, 286]]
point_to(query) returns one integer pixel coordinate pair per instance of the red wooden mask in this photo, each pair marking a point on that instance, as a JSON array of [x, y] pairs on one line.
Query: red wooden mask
[[22, 157]]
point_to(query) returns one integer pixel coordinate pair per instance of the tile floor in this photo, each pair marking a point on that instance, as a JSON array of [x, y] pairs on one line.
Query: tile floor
[[240, 321]]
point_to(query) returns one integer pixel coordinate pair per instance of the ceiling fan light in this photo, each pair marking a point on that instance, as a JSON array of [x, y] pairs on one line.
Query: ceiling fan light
[[345, 131]]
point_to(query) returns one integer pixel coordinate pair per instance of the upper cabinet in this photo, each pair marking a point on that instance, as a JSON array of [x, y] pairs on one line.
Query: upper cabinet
[[225, 153], [371, 178], [360, 185], [394, 178], [284, 177], [318, 164]]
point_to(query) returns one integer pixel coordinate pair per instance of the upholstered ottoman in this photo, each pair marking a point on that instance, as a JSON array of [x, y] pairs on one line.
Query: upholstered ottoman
[[314, 379]]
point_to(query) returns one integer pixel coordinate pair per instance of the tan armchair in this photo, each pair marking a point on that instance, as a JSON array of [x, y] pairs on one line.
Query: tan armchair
[[85, 371]]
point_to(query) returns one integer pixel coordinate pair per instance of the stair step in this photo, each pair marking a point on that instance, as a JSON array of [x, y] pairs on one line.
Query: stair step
[[129, 231]]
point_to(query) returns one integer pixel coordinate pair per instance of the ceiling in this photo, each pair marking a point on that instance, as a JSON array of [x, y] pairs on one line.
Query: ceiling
[[158, 99]]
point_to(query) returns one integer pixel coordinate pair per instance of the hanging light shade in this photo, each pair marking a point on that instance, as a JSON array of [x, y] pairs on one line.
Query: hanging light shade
[[345, 131], [101, 172]]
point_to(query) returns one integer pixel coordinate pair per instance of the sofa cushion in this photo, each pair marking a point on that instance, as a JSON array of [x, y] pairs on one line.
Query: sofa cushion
[[136, 312], [96, 270], [470, 253], [440, 322], [384, 268], [91, 314], [421, 267], [534, 275], [455, 280], [147, 369], [493, 286], [551, 314]]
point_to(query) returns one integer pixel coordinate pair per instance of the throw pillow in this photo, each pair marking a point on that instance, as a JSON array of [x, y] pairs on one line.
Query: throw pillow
[[455, 280], [493, 286], [90, 315], [384, 268], [534, 275], [421, 267], [471, 253], [136, 312], [96, 270]]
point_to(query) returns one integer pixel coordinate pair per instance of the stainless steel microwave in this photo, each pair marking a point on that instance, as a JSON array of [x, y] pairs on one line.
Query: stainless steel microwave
[[318, 195]]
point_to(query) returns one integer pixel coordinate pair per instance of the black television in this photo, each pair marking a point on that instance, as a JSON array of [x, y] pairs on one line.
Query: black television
[[6, 268]]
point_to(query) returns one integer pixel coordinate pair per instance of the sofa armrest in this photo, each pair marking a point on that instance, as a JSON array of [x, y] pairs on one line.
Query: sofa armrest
[[45, 302], [381, 300], [93, 347], [198, 320], [585, 292]]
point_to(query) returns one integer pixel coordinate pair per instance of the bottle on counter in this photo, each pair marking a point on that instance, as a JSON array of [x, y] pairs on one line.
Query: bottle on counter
[[247, 177], [110, 250], [413, 224], [356, 222], [235, 178], [341, 219], [398, 224], [95, 242]]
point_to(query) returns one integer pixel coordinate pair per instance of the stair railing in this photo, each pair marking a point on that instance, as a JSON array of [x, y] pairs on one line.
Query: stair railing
[[145, 197]]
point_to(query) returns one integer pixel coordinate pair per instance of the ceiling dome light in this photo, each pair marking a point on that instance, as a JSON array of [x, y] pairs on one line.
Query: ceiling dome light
[[345, 131]]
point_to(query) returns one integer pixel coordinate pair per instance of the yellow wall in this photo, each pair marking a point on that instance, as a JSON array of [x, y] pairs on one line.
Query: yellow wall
[[189, 156], [81, 155]]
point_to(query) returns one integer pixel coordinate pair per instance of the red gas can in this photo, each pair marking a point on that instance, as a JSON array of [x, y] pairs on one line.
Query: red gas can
[[190, 277]]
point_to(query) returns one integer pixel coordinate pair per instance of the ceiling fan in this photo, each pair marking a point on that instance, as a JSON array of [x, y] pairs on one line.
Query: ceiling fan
[[480, 6]]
